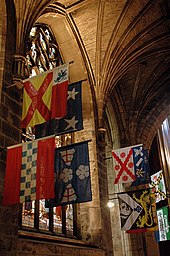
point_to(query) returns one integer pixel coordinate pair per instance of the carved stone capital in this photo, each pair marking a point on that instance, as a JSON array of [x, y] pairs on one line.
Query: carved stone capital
[[19, 70], [101, 137]]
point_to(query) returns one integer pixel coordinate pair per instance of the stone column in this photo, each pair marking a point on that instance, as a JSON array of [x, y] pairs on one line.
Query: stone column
[[10, 134], [103, 190]]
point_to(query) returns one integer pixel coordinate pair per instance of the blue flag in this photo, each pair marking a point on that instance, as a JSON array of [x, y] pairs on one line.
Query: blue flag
[[71, 122], [72, 175], [143, 170]]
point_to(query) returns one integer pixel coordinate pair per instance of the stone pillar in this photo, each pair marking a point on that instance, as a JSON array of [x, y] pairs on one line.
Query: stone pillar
[[103, 190], [10, 134]]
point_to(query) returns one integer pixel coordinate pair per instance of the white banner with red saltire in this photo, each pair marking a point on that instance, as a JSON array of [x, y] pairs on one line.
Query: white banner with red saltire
[[126, 162]]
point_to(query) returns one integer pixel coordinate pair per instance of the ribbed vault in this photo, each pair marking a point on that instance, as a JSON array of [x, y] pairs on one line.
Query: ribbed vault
[[125, 50], [138, 70]]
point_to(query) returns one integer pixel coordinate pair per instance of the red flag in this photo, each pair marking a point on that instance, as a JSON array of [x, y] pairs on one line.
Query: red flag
[[12, 178], [30, 172], [45, 169], [59, 92]]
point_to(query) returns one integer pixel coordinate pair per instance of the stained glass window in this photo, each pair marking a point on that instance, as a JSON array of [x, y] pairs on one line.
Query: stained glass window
[[43, 54], [42, 50]]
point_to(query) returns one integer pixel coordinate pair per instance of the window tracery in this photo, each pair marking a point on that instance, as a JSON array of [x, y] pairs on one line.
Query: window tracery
[[42, 50], [43, 54]]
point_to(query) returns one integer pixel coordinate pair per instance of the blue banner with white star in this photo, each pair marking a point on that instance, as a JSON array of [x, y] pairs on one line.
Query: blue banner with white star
[[72, 175], [72, 121]]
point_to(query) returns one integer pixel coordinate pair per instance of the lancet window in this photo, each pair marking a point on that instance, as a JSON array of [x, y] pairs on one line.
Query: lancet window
[[42, 55]]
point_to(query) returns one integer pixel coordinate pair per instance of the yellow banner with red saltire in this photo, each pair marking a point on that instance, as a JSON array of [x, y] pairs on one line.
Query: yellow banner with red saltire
[[45, 96]]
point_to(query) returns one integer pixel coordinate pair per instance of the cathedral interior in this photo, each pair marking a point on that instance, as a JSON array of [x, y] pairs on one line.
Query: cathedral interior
[[120, 51]]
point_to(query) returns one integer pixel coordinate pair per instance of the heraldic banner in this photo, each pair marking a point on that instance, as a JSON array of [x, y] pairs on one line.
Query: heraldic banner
[[72, 175], [158, 186], [71, 122], [137, 210], [45, 96], [163, 224], [127, 163], [29, 172], [143, 173]]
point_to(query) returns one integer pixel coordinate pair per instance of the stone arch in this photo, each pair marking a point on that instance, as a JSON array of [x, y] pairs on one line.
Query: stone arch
[[150, 125], [70, 51]]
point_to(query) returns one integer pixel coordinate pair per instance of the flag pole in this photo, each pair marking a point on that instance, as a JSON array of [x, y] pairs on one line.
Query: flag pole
[[43, 138], [83, 80], [22, 143], [73, 144], [48, 71]]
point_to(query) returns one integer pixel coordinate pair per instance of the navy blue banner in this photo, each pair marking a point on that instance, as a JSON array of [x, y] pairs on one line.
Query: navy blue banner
[[72, 175], [71, 122], [142, 171]]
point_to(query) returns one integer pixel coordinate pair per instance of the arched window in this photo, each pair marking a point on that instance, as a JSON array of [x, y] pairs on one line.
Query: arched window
[[43, 54], [42, 50]]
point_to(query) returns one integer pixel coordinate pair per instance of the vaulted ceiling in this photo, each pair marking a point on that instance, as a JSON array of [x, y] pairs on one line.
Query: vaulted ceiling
[[125, 47]]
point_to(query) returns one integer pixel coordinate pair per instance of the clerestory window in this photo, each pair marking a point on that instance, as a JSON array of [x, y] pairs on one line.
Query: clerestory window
[[43, 54]]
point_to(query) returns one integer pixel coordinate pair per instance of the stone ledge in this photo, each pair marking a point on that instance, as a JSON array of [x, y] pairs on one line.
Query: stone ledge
[[30, 243]]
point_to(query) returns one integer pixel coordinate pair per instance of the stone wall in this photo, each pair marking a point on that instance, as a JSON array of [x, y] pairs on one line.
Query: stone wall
[[29, 248], [10, 134]]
